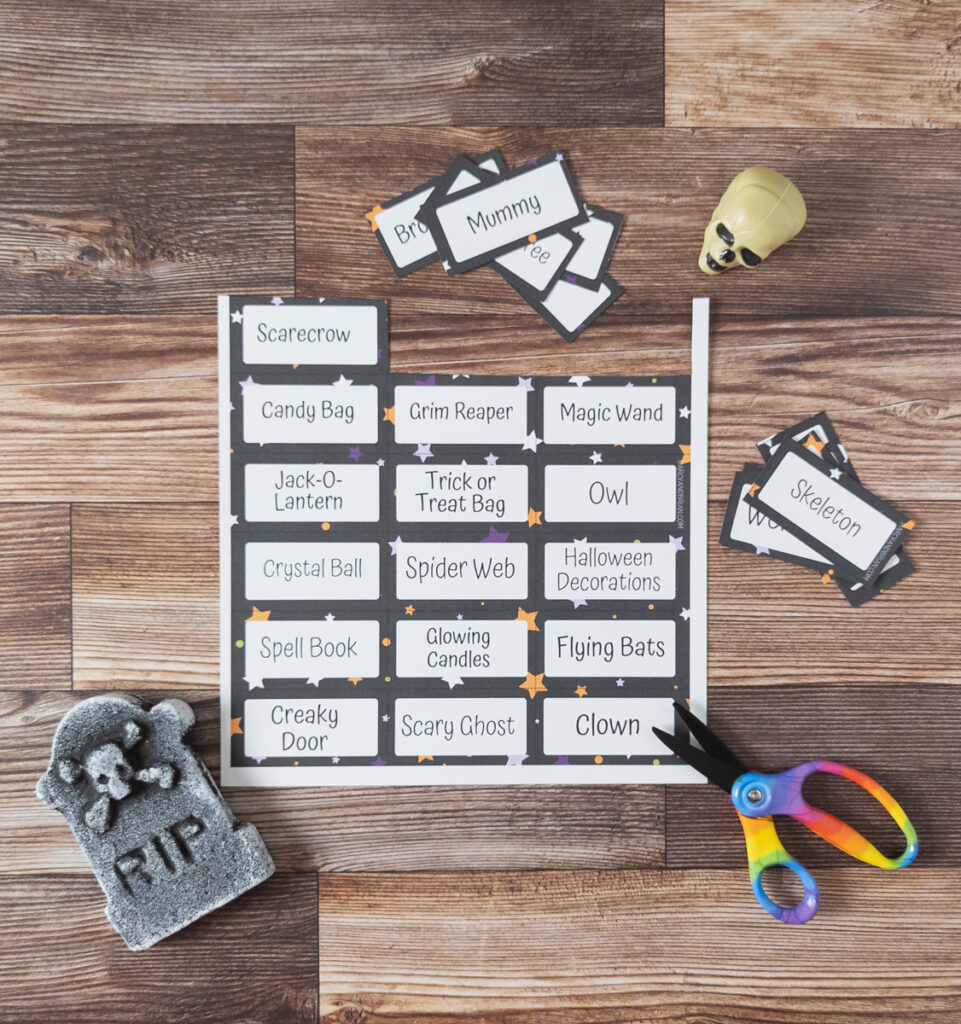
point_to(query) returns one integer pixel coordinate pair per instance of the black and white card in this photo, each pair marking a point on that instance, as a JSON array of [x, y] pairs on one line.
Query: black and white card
[[817, 434], [829, 511], [571, 308], [433, 579], [598, 233]]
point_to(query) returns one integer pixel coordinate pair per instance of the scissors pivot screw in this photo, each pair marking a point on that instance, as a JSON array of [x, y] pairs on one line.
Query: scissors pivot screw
[[755, 796]]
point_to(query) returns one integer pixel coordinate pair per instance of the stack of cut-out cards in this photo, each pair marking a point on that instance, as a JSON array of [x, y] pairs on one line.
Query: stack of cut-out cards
[[806, 505], [528, 223]]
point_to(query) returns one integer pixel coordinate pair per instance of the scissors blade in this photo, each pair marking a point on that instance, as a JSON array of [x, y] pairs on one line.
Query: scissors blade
[[709, 740], [719, 772]]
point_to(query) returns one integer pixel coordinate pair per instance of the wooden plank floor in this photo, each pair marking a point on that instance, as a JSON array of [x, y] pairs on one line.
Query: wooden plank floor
[[152, 156]]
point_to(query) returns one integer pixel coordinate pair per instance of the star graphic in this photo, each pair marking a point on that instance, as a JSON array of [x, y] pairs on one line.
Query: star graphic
[[578, 602], [395, 544], [760, 549], [380, 462], [257, 758], [516, 759], [427, 382], [620, 444], [248, 383], [373, 215], [529, 618], [254, 684], [235, 729], [342, 382], [685, 454], [378, 762], [579, 380], [409, 610], [909, 525], [234, 520], [530, 445], [596, 457], [355, 679], [563, 759], [835, 474], [335, 759], [459, 616], [314, 681], [684, 412], [581, 691], [276, 301], [677, 542], [452, 681], [329, 617], [685, 614], [813, 443], [425, 757], [237, 317], [752, 490], [423, 453], [619, 682], [390, 414], [629, 384], [258, 616], [491, 459], [385, 718], [354, 454], [525, 383], [534, 517], [495, 537], [454, 376], [533, 684]]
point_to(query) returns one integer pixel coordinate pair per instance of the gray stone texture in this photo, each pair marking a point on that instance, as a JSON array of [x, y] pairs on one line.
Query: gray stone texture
[[159, 835]]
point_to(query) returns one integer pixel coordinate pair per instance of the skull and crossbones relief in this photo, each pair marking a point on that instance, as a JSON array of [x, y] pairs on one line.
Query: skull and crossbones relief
[[112, 775]]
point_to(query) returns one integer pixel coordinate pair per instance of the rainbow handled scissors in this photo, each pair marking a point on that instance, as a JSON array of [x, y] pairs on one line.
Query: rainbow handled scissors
[[757, 796]]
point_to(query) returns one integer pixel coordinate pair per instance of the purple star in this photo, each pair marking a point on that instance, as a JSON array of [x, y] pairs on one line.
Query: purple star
[[429, 382], [678, 543], [385, 718], [259, 760], [380, 462], [515, 759], [761, 550], [355, 454], [619, 682], [335, 759], [423, 452], [578, 602], [248, 383], [378, 762], [525, 383], [571, 279], [395, 544], [459, 616], [276, 301], [563, 759], [380, 353], [629, 384], [491, 459], [495, 537]]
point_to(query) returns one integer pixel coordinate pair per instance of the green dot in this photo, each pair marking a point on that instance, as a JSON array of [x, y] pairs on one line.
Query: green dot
[[653, 380], [482, 604], [387, 680], [656, 760], [239, 643], [637, 540], [613, 616], [675, 686]]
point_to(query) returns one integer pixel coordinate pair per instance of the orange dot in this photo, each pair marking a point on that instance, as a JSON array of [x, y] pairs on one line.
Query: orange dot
[[386, 641], [326, 526], [532, 238], [598, 759], [650, 607], [296, 763]]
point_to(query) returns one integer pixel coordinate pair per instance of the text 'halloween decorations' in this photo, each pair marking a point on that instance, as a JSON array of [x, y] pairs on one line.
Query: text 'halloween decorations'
[[528, 223]]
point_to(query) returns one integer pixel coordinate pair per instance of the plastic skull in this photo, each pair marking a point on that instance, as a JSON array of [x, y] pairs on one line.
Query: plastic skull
[[109, 771], [759, 211]]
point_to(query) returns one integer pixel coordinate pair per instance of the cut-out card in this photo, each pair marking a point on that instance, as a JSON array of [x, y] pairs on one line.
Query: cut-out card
[[448, 579], [599, 234], [571, 308], [408, 243], [829, 511], [817, 434], [486, 220]]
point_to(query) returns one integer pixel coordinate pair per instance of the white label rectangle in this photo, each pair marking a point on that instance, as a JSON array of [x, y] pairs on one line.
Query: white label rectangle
[[460, 415], [588, 261], [442, 494], [408, 240], [537, 262], [301, 492], [309, 572], [310, 414], [315, 335], [311, 649], [609, 415], [827, 511], [463, 725], [478, 571], [610, 572], [454, 648], [606, 725], [610, 647], [507, 211], [310, 727], [610, 494]]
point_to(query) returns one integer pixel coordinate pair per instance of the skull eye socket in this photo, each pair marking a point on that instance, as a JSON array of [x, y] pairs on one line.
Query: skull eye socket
[[101, 779], [726, 255], [725, 236], [750, 258]]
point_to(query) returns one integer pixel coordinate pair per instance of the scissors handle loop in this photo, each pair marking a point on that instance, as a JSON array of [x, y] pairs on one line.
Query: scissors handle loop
[[764, 850]]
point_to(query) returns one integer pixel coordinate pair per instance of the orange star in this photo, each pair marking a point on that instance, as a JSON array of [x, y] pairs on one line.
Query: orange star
[[753, 489], [409, 610], [618, 444], [533, 684], [534, 517], [373, 215], [685, 454], [581, 691], [355, 680], [909, 525], [813, 443], [235, 729], [826, 577], [389, 415], [258, 615], [528, 617], [294, 366], [425, 757]]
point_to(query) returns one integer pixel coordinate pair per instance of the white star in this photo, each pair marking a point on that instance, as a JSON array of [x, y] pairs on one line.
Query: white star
[[385, 718], [685, 614], [620, 682], [276, 301], [596, 457], [579, 380], [234, 520], [835, 474], [314, 681], [446, 265], [255, 683], [530, 445], [395, 544], [380, 462], [342, 382], [248, 383], [423, 452], [491, 459], [329, 616], [453, 681], [237, 317], [454, 376], [684, 412], [335, 759], [525, 383]]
